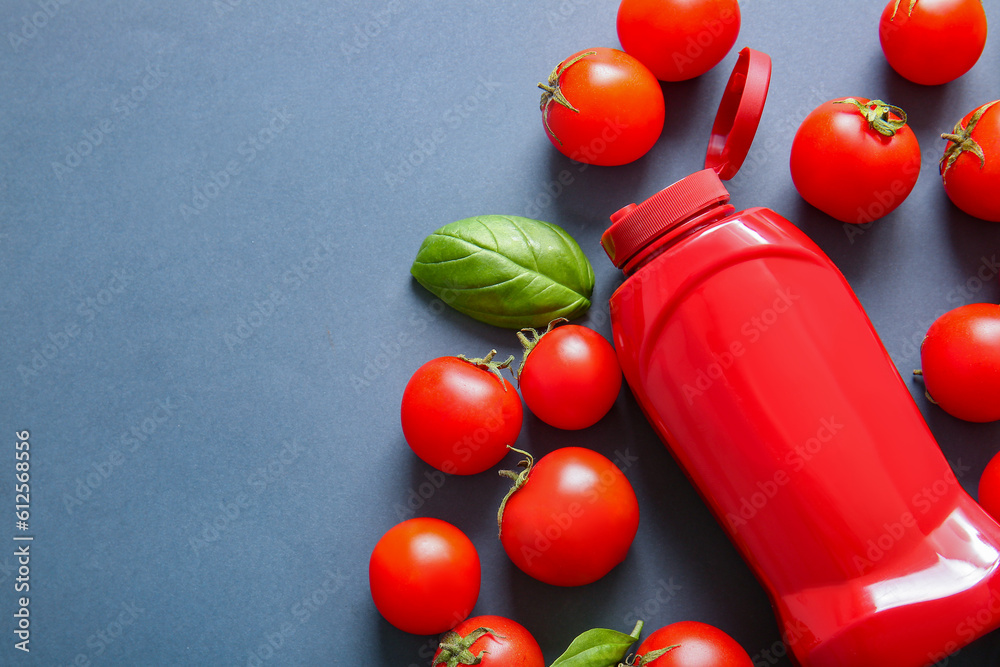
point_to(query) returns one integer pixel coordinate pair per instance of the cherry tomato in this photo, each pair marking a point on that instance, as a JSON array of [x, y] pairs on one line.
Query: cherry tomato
[[855, 159], [459, 416], [678, 39], [697, 645], [989, 488], [570, 377], [960, 357], [505, 643], [970, 168], [424, 576], [932, 41], [571, 520], [602, 106]]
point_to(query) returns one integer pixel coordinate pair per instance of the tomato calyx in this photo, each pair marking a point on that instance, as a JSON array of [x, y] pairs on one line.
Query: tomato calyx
[[876, 112], [455, 649], [919, 373], [961, 141], [640, 660], [552, 93], [520, 478], [487, 364], [909, 10], [529, 345]]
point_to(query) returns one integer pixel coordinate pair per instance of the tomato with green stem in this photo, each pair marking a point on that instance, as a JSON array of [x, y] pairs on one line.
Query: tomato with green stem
[[931, 42], [970, 167], [569, 376], [691, 644], [570, 518], [460, 414], [488, 641], [855, 159], [960, 362], [603, 107]]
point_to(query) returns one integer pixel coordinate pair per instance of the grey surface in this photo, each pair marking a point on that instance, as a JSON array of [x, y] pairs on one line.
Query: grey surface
[[239, 351]]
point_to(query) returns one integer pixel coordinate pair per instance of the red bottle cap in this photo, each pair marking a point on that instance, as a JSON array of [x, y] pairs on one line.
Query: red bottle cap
[[635, 226]]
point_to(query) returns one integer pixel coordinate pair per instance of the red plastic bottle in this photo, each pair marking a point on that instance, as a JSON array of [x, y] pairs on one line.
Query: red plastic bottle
[[756, 364]]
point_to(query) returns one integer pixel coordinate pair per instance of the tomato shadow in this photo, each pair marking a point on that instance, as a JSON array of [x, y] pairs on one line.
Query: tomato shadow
[[587, 194], [929, 109]]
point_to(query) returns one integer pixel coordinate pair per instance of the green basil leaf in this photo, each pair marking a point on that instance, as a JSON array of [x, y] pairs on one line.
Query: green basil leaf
[[506, 270], [598, 648]]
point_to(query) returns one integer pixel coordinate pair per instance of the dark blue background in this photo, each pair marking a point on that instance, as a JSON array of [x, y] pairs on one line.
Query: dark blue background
[[208, 320]]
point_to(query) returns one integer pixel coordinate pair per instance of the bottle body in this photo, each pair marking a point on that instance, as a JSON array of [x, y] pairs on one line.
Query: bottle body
[[757, 366]]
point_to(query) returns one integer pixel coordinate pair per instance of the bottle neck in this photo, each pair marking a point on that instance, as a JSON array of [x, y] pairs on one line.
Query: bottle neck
[[694, 223]]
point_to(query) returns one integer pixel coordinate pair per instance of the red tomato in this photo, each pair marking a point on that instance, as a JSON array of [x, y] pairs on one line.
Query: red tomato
[[970, 168], [505, 643], [989, 488], [603, 107], [424, 576], [960, 357], [458, 416], [572, 520], [570, 377], [846, 164], [932, 41], [697, 645], [678, 39]]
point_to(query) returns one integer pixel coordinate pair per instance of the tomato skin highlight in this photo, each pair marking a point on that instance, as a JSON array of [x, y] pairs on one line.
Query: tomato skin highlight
[[848, 170], [960, 360], [573, 520], [939, 41], [424, 575], [698, 645], [971, 185], [459, 418], [571, 378], [620, 109], [511, 645], [678, 39]]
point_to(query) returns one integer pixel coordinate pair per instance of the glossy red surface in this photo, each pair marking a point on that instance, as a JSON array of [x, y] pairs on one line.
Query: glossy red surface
[[757, 365]]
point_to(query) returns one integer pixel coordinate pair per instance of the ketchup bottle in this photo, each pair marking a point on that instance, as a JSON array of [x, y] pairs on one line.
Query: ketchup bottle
[[755, 363]]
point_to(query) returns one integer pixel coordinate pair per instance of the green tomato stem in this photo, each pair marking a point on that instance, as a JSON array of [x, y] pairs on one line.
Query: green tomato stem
[[876, 112], [487, 364], [520, 479], [961, 141], [552, 93]]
